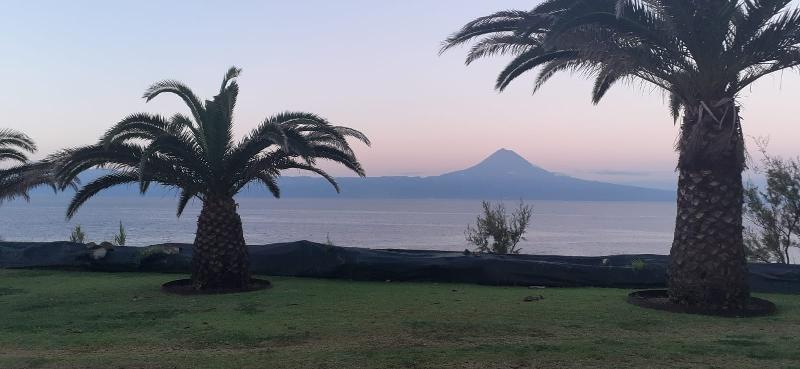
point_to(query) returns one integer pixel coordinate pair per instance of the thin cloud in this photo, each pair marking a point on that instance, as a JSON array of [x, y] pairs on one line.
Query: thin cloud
[[622, 173]]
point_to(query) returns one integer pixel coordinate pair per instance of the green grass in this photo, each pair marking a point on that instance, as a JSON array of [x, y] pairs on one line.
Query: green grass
[[54, 319]]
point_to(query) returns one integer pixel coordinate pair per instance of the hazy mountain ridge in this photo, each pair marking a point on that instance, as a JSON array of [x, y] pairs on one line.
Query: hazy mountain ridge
[[502, 175]]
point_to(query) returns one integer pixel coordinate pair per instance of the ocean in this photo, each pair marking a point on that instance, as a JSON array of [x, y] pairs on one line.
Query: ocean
[[558, 227]]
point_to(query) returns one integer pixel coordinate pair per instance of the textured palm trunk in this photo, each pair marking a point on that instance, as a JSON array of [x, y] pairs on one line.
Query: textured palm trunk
[[708, 267], [220, 260]]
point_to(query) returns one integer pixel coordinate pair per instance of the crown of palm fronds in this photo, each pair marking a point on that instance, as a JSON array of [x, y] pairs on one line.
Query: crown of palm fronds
[[198, 155], [697, 51]]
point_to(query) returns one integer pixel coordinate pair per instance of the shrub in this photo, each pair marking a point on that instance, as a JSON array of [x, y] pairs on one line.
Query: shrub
[[774, 214], [121, 237], [328, 241], [77, 235], [496, 232], [638, 265]]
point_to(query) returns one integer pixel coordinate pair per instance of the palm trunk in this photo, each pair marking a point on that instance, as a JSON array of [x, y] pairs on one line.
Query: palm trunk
[[220, 260], [708, 267]]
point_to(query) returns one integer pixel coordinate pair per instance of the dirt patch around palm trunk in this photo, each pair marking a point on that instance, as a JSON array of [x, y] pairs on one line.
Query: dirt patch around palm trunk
[[659, 300], [184, 287]]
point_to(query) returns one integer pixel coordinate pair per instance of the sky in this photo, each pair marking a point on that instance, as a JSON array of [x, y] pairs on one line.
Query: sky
[[72, 69]]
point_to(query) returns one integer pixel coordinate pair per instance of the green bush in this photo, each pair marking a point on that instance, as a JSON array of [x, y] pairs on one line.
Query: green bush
[[77, 235], [772, 232], [496, 232], [121, 237]]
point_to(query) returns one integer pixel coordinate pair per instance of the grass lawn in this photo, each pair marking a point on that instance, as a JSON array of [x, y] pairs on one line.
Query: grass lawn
[[54, 319]]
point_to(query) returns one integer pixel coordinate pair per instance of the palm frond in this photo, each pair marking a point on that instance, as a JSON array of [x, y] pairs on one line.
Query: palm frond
[[232, 73], [527, 61], [675, 106], [289, 164], [349, 132], [147, 126], [605, 79], [14, 139], [270, 183], [99, 184], [14, 146], [182, 91], [17, 181], [183, 200], [503, 21], [503, 44]]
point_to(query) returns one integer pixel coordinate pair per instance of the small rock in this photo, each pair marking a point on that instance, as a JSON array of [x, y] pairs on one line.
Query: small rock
[[533, 298], [99, 253], [606, 262]]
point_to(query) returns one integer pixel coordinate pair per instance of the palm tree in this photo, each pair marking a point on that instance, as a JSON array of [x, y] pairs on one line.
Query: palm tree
[[700, 53], [198, 156]]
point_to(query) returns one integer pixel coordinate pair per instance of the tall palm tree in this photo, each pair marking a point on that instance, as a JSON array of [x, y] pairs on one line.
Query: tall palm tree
[[702, 53], [198, 156]]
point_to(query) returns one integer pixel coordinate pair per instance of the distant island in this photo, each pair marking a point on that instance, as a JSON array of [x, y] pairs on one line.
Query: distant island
[[503, 175]]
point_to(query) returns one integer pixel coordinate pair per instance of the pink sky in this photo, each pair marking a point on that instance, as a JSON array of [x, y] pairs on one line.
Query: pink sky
[[71, 70]]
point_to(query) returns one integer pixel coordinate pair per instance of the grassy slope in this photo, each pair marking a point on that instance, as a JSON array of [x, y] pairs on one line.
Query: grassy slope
[[78, 320]]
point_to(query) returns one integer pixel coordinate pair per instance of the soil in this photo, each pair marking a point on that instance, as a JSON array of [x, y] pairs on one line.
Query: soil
[[659, 300], [184, 287]]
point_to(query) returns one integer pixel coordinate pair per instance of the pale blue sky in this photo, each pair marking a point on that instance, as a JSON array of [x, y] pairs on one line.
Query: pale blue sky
[[72, 68]]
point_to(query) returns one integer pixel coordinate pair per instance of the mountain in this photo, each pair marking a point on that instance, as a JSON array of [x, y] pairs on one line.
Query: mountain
[[502, 164], [502, 175]]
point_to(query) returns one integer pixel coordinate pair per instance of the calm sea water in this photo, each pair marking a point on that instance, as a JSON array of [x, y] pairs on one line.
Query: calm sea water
[[565, 228]]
